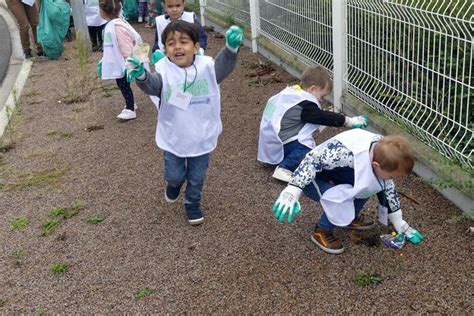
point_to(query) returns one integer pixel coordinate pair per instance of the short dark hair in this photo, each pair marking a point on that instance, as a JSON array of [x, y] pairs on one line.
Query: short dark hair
[[181, 26], [111, 7]]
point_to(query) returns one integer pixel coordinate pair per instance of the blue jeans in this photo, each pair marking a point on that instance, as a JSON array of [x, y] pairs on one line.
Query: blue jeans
[[190, 169], [293, 153], [312, 193]]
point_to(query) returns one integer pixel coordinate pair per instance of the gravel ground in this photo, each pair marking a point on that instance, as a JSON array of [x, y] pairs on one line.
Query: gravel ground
[[241, 260]]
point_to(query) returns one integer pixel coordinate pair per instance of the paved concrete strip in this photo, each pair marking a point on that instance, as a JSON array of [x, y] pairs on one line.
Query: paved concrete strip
[[14, 95], [5, 48]]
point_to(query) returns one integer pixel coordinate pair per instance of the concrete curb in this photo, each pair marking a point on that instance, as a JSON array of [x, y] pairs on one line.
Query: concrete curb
[[17, 73], [424, 169]]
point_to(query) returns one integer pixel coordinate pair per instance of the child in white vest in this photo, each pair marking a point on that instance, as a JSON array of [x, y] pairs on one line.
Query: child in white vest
[[291, 117], [342, 174], [189, 121], [174, 10], [95, 23], [119, 39]]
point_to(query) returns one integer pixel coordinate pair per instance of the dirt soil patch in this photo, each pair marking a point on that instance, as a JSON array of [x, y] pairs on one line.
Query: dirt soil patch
[[84, 226]]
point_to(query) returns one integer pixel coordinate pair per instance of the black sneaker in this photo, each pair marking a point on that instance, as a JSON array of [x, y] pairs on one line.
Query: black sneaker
[[361, 223], [172, 193], [326, 240], [28, 55], [194, 213]]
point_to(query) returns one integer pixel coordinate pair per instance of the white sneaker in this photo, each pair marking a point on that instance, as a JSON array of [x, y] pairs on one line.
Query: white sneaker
[[127, 115], [140, 19], [282, 174]]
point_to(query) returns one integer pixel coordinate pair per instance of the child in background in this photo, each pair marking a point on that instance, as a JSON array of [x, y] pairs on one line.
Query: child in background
[[95, 23], [119, 39], [142, 10], [342, 174], [174, 10], [189, 121], [155, 8], [291, 117]]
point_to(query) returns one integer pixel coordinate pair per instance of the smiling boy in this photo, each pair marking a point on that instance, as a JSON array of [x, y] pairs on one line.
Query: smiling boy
[[189, 122]]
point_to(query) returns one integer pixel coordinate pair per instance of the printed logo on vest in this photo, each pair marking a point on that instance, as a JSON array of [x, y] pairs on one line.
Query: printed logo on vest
[[269, 110]]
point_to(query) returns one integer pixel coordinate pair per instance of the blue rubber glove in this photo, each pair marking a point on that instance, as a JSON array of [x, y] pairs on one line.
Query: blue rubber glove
[[287, 204], [134, 69], [233, 38], [99, 68], [157, 56], [361, 121]]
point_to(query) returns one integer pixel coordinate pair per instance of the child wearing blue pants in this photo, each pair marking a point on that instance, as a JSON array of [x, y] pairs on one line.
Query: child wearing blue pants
[[189, 122]]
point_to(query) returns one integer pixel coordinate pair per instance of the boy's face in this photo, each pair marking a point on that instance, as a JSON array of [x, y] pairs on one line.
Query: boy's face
[[386, 175], [174, 8], [318, 92], [180, 49]]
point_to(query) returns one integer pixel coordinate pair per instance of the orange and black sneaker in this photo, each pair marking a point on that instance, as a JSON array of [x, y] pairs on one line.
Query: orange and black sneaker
[[326, 240], [361, 223]]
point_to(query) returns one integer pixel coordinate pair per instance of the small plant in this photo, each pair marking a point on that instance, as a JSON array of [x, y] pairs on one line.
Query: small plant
[[59, 267], [96, 218], [458, 218], [19, 223], [6, 147], [61, 134], [66, 213], [18, 254], [45, 177], [144, 292], [365, 279], [49, 225]]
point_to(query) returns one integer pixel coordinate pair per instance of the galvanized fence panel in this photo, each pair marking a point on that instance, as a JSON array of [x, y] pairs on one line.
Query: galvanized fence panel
[[411, 60]]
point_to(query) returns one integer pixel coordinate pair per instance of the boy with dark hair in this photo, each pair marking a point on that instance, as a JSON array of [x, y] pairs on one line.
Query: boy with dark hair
[[189, 121], [291, 117], [341, 174]]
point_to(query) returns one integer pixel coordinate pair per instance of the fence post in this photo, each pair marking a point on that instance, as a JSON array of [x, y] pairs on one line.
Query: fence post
[[339, 40], [254, 23], [80, 25], [202, 7]]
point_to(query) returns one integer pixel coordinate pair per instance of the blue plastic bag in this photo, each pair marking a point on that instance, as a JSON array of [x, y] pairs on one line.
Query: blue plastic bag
[[53, 26], [130, 9]]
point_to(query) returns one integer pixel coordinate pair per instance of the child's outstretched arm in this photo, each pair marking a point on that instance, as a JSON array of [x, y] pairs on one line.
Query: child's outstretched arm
[[226, 59], [150, 83]]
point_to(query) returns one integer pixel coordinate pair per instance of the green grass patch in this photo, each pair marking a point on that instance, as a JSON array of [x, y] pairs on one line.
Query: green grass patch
[[49, 225], [33, 93], [364, 279], [38, 178], [18, 254], [66, 212], [59, 268], [458, 218], [6, 146], [144, 292], [19, 223], [61, 134], [96, 218]]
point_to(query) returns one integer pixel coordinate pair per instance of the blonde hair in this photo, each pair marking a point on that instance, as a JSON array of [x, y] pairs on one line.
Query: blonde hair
[[316, 76], [394, 153], [111, 7]]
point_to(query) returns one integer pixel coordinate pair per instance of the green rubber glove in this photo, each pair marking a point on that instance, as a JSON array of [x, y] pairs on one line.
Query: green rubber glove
[[414, 236], [134, 69], [361, 121], [200, 52], [99, 68], [287, 204], [157, 56], [233, 38]]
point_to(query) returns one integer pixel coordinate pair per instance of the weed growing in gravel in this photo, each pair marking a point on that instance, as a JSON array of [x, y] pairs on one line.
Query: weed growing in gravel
[[59, 267], [6, 146], [365, 279], [458, 218], [33, 93], [49, 225], [96, 218], [45, 177], [41, 313], [19, 223], [144, 292], [61, 134], [18, 254], [66, 212]]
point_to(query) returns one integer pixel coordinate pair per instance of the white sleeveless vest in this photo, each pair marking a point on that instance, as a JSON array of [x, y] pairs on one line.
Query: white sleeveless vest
[[194, 131], [162, 22], [270, 146], [91, 10], [338, 201], [113, 63]]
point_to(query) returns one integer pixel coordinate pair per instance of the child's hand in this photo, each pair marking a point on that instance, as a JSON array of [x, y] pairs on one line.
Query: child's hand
[[134, 69], [234, 37], [157, 56], [287, 204], [402, 227], [414, 236], [361, 121]]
